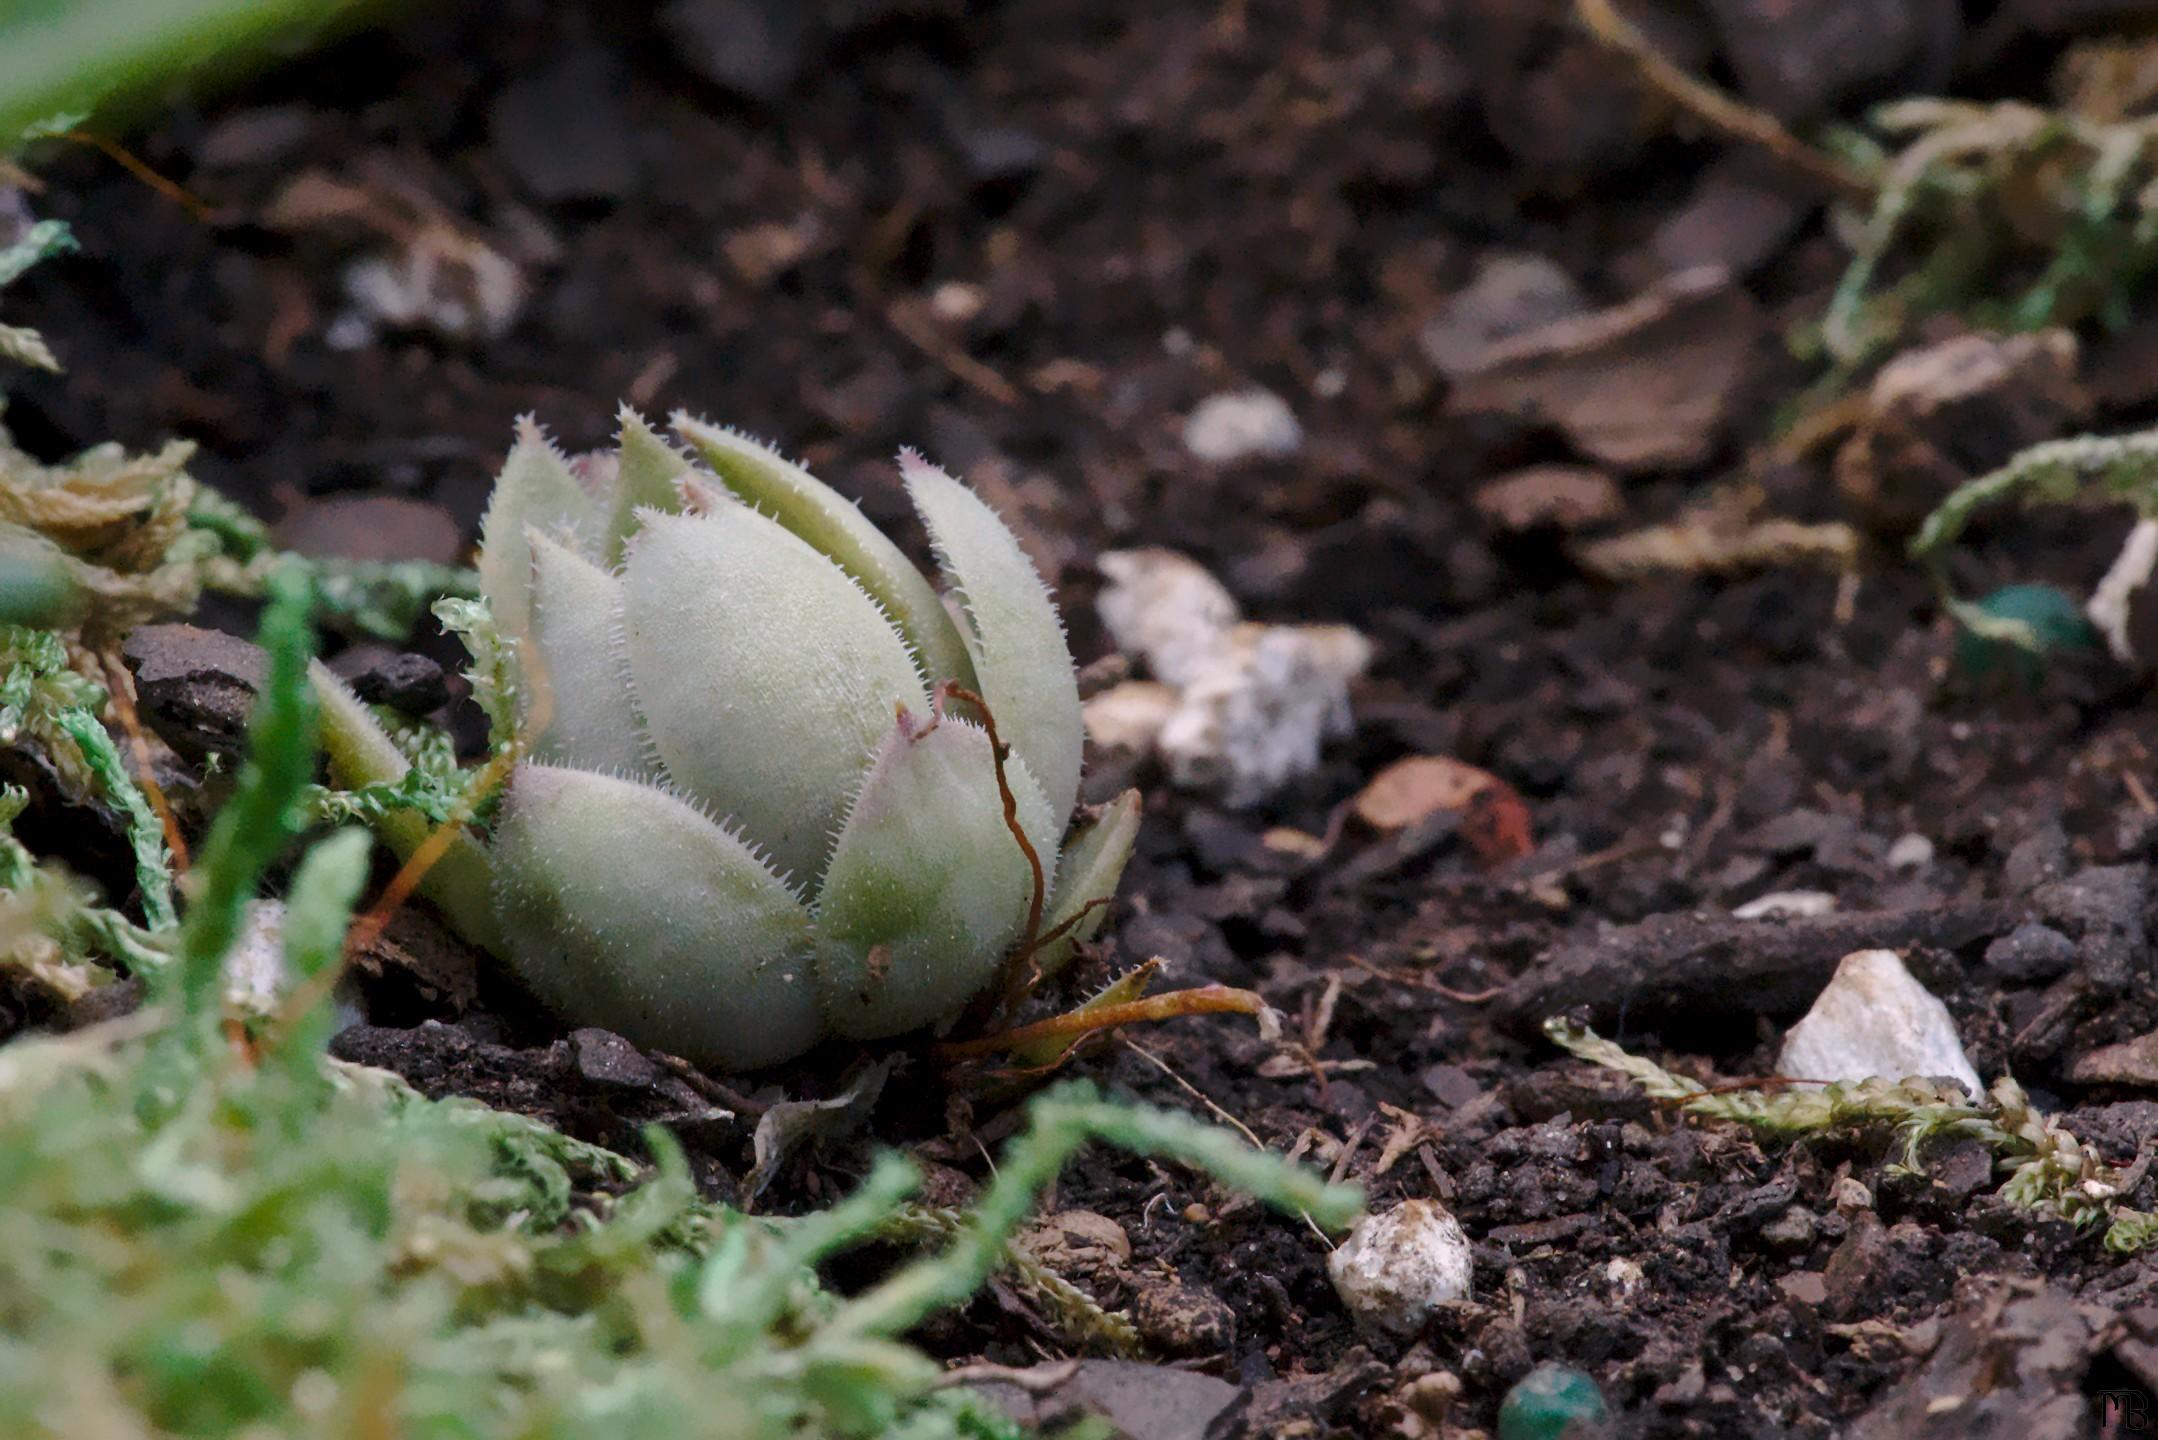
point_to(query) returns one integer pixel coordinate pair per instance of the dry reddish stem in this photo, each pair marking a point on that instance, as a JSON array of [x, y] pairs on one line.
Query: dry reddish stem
[[120, 687], [368, 928], [127, 160], [998, 752], [1716, 109], [409, 875], [1203, 1000]]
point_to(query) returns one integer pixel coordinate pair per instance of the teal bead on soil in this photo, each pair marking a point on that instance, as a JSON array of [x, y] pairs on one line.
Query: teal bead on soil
[[2056, 623], [1553, 1403]]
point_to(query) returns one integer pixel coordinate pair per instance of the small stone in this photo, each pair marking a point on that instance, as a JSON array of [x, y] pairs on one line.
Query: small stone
[[1148, 1402], [1183, 1319], [1791, 1231], [195, 687], [1874, 1019], [1451, 1085], [1396, 1268], [1000, 154], [1164, 608], [1938, 414], [1798, 58], [1254, 717], [1237, 424], [563, 129], [1735, 218], [2038, 857], [1910, 852], [1624, 1275], [1651, 384], [1253, 702], [606, 1059], [1300, 846], [1129, 716], [437, 278], [1431, 1396], [2132, 1062], [754, 48], [1553, 1402], [1079, 1243], [408, 682], [1804, 1287], [1786, 904], [2031, 954], [1511, 294]]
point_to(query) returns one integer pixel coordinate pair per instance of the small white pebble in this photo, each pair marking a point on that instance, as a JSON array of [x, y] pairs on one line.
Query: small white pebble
[[1850, 1194], [1794, 903], [956, 302], [1239, 423], [1396, 1268], [1910, 852], [1130, 715], [1165, 608]]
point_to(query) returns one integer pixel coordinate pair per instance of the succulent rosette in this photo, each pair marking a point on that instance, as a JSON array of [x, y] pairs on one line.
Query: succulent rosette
[[751, 814]]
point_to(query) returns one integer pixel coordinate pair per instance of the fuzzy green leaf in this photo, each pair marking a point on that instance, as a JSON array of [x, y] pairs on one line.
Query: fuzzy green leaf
[[39, 583], [646, 469], [835, 525], [927, 886], [765, 676], [1091, 866], [1015, 637], [628, 908], [360, 755], [535, 491], [576, 655]]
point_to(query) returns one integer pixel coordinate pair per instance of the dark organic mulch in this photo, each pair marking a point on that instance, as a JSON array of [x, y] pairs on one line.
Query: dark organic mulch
[[1029, 237]]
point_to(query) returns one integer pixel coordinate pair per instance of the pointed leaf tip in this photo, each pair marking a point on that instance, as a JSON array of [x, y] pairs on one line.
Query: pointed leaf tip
[[534, 491], [764, 479], [580, 681], [1013, 632], [648, 475]]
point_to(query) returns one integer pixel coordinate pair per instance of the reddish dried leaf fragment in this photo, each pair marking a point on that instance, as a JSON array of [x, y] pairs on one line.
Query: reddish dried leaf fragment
[[1494, 818]]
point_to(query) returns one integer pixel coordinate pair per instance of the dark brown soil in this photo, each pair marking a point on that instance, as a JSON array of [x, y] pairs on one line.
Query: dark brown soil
[[1153, 204]]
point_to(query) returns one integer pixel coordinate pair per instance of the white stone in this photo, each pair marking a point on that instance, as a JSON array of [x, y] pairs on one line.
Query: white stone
[[1130, 715], [1792, 903], [1395, 1269], [1624, 1276], [1251, 702], [1253, 718], [1165, 609], [1875, 1020], [1910, 852], [1239, 423]]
